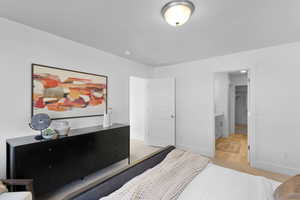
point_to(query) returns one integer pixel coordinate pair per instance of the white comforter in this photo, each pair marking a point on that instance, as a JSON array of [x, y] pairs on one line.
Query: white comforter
[[218, 183]]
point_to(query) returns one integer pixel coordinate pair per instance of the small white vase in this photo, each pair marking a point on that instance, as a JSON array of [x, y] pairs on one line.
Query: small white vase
[[109, 112], [106, 122]]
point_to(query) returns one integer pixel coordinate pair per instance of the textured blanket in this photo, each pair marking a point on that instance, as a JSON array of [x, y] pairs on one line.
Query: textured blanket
[[165, 181]]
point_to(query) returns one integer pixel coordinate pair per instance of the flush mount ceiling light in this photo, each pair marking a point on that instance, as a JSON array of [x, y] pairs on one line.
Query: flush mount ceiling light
[[177, 13], [127, 52], [243, 71]]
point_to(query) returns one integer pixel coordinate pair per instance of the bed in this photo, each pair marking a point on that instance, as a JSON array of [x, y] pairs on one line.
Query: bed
[[231, 185], [213, 183]]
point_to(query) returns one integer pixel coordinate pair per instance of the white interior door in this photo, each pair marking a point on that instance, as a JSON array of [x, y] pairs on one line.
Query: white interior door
[[161, 112]]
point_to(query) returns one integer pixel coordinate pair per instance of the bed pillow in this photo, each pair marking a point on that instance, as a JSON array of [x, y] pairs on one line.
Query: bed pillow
[[289, 190], [2, 188]]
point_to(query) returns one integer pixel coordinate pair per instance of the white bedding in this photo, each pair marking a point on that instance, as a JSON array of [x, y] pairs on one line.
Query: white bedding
[[218, 183]]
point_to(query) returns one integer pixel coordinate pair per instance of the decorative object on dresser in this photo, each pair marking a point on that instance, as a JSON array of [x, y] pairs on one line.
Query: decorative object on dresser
[[54, 163], [40, 122], [61, 127], [49, 134], [62, 93], [107, 118]]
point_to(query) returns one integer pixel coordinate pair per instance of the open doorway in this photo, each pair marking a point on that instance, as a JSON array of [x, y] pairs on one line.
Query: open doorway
[[151, 114], [138, 97], [241, 122], [231, 96]]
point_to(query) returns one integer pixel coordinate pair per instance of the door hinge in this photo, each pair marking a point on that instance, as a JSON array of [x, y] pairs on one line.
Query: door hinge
[[248, 147]]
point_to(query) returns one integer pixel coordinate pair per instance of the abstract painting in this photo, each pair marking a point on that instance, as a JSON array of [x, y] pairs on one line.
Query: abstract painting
[[62, 93]]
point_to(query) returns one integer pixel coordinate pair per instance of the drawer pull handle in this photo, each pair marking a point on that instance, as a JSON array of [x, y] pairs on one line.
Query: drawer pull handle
[[49, 149]]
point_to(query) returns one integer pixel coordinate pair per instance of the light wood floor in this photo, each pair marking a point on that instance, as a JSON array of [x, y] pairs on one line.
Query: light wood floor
[[239, 161], [239, 157]]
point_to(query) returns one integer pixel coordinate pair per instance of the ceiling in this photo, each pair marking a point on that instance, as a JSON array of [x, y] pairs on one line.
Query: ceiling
[[217, 27]]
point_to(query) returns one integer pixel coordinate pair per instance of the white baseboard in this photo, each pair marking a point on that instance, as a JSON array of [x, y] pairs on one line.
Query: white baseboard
[[194, 149], [275, 168]]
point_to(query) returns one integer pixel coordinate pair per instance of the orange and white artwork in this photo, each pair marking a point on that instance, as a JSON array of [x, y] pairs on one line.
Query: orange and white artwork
[[64, 93]]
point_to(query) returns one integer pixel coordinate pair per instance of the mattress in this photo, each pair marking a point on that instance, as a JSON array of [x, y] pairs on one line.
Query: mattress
[[219, 183]]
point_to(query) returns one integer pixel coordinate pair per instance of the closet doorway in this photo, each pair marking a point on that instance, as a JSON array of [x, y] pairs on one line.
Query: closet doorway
[[241, 109]]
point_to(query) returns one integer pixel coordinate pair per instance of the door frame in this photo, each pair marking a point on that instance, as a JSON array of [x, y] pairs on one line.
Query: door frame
[[251, 114]]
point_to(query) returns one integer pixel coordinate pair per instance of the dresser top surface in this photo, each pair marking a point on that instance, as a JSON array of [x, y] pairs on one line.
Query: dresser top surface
[[19, 141]]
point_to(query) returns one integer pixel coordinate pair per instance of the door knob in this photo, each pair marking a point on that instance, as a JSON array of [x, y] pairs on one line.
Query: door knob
[[172, 116]]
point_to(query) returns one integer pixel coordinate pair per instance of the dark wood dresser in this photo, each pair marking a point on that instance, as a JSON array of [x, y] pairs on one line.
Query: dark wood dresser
[[54, 163]]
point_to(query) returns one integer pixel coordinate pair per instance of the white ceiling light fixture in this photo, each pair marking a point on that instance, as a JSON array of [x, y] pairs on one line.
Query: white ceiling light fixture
[[127, 52], [177, 13], [243, 71]]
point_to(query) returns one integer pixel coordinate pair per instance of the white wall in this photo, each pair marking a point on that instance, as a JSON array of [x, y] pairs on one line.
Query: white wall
[[21, 45], [138, 107], [221, 91], [275, 101]]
